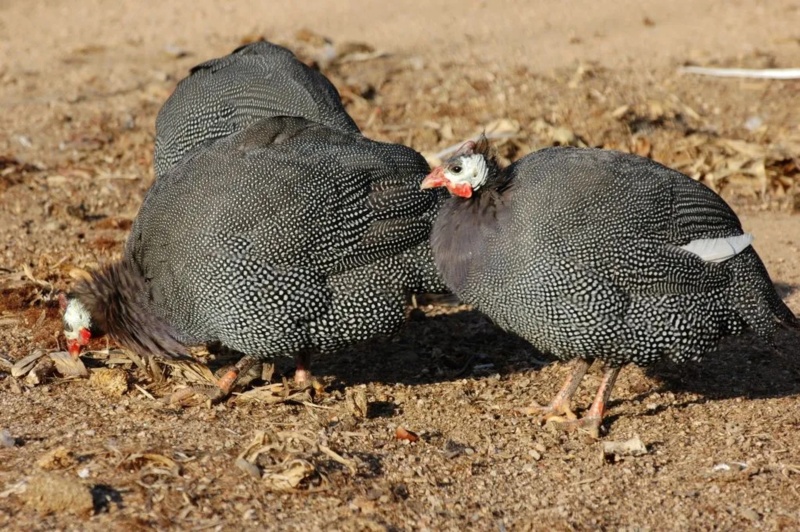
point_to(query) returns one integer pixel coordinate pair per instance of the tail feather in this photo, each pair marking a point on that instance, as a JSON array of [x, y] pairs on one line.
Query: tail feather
[[116, 297], [790, 322], [755, 298]]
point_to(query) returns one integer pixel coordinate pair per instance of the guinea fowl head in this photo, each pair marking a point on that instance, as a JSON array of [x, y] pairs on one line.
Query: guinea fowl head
[[79, 327], [471, 168], [113, 301]]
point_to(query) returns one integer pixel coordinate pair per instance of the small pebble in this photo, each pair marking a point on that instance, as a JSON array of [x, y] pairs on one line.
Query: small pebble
[[6, 439]]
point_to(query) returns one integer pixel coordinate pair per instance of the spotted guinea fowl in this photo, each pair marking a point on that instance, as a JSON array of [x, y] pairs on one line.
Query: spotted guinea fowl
[[286, 238], [595, 254], [227, 94]]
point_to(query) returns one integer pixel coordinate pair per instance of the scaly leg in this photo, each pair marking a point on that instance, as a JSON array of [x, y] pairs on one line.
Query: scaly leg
[[225, 383], [593, 419], [302, 372], [559, 408]]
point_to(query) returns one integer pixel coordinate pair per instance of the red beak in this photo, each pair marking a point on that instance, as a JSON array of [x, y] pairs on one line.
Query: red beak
[[435, 179], [74, 348]]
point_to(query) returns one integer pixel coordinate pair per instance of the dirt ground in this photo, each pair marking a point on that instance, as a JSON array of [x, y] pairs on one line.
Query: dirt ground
[[80, 85]]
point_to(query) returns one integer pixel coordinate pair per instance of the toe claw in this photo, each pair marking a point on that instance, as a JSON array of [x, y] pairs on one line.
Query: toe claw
[[586, 425], [197, 394], [546, 414]]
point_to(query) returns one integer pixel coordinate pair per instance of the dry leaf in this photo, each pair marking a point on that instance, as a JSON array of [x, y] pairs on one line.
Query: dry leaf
[[289, 461], [43, 369], [68, 365], [23, 366]]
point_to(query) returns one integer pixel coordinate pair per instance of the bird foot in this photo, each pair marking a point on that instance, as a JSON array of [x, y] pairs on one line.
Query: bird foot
[[211, 392], [556, 412], [304, 379], [587, 425], [198, 394]]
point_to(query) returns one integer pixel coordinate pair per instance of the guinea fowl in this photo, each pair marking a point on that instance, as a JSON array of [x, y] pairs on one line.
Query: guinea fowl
[[227, 94], [288, 237], [595, 254]]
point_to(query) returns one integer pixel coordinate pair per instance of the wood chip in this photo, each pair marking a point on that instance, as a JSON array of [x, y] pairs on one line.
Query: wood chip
[[356, 402], [407, 435], [110, 381], [58, 458], [631, 447], [752, 73]]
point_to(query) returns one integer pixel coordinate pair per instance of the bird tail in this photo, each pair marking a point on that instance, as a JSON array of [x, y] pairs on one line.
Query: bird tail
[[755, 298], [118, 302]]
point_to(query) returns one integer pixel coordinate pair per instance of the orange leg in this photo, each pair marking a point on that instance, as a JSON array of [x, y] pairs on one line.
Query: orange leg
[[228, 380], [302, 372], [593, 419], [559, 408]]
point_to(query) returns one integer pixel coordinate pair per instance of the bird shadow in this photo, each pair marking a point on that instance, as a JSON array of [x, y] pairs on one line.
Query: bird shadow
[[466, 344], [430, 349], [743, 366]]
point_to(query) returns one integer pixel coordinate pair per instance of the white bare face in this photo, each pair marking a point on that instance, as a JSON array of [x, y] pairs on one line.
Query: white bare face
[[76, 317], [467, 170]]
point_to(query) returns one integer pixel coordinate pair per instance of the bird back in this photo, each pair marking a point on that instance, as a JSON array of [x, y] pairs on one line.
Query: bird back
[[227, 94]]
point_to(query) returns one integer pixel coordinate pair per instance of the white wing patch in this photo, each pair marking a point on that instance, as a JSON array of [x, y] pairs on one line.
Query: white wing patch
[[719, 249]]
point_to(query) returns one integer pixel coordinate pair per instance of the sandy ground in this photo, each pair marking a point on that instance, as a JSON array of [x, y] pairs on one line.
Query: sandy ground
[[80, 85]]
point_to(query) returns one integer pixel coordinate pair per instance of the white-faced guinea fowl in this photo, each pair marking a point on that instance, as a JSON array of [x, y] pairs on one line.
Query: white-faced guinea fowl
[[595, 254], [286, 238], [227, 94]]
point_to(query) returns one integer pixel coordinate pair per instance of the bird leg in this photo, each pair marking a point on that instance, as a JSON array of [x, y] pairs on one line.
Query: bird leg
[[559, 408], [302, 372], [593, 419], [227, 381]]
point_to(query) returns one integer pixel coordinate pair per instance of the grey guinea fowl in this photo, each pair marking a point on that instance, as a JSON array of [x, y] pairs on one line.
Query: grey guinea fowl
[[284, 238], [595, 254], [227, 94]]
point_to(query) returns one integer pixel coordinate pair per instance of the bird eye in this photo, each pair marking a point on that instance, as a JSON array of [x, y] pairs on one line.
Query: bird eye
[[456, 169], [67, 326]]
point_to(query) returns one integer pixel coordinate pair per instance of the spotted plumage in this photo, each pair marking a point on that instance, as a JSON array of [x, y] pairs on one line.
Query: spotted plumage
[[273, 225], [580, 252], [596, 254], [227, 94], [288, 236]]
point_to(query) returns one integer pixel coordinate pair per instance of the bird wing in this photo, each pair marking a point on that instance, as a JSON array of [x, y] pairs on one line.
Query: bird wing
[[719, 249], [227, 94], [354, 201], [301, 195]]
